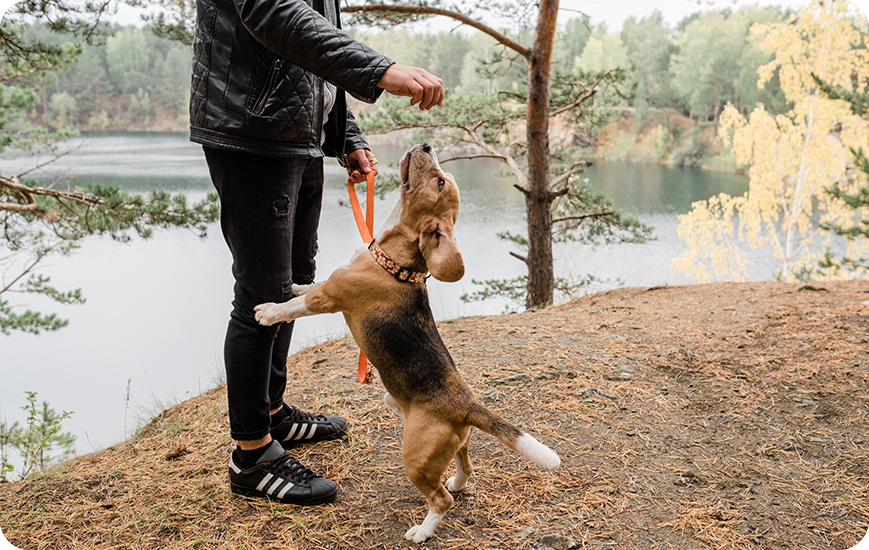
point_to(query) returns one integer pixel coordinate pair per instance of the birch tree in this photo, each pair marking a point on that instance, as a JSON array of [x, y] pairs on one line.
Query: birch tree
[[793, 157]]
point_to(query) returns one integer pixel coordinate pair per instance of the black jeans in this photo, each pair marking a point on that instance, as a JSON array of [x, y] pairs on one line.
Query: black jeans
[[270, 209]]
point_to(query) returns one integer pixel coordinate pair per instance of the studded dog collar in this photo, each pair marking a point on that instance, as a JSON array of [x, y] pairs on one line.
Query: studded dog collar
[[400, 273]]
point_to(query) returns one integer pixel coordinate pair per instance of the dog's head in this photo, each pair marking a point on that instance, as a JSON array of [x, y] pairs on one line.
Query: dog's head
[[430, 206]]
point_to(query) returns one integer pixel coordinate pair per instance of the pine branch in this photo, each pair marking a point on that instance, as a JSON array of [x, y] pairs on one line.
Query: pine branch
[[426, 10], [577, 166], [577, 103], [28, 193], [587, 92]]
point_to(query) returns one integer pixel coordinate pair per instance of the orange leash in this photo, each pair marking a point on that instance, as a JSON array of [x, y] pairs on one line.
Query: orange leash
[[366, 229]]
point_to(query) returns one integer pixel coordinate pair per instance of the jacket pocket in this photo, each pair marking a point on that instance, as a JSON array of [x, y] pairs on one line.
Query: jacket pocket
[[269, 88]]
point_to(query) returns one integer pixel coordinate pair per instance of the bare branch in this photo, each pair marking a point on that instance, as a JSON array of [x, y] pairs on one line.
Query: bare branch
[[502, 158], [509, 161], [515, 95], [582, 217], [518, 257], [425, 10], [54, 158], [38, 258], [21, 190]]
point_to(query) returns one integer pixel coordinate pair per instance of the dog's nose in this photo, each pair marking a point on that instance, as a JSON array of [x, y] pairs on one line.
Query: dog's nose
[[426, 148]]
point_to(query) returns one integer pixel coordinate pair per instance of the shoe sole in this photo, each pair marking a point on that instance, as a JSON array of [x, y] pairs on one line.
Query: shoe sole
[[248, 492]]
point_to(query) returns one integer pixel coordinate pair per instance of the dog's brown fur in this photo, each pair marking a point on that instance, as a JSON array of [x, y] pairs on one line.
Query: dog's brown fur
[[392, 323]]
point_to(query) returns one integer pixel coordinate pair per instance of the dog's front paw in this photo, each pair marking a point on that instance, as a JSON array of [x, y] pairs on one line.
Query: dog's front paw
[[268, 314], [418, 534]]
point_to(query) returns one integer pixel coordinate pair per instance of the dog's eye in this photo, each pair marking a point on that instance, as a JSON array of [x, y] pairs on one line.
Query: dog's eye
[[441, 183]]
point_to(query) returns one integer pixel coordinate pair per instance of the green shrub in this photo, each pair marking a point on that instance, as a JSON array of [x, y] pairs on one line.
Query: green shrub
[[691, 154], [37, 441]]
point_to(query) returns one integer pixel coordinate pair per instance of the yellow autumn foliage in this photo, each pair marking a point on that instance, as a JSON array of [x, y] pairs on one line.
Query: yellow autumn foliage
[[792, 157]]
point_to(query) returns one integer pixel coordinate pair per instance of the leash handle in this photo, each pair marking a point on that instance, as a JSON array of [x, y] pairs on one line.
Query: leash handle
[[366, 229]]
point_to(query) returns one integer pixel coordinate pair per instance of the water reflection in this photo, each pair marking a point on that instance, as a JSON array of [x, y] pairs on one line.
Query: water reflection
[[639, 189]]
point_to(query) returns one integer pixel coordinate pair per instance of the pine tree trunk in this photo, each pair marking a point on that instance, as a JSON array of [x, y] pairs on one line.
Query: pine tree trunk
[[538, 199]]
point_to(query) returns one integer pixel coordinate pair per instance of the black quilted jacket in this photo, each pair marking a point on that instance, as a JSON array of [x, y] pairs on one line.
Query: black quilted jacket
[[258, 71]]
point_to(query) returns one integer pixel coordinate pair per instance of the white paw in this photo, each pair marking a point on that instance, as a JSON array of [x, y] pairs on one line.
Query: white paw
[[451, 485], [417, 534], [267, 314]]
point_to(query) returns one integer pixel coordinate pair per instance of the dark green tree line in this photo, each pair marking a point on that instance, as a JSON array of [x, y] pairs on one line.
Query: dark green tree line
[[139, 78]]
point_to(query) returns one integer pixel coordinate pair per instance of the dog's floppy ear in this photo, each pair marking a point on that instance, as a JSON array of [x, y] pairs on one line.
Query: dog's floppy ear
[[441, 253]]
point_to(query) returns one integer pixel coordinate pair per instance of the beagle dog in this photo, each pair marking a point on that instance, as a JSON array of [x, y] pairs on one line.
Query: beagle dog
[[383, 297]]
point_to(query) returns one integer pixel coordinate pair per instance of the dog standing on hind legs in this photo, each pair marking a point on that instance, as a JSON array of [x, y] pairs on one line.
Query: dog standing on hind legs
[[383, 297]]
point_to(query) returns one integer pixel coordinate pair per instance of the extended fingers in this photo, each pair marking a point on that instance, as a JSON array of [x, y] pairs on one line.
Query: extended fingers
[[422, 87]]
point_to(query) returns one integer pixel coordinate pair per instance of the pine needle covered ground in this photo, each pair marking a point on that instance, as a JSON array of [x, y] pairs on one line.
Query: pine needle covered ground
[[718, 416]]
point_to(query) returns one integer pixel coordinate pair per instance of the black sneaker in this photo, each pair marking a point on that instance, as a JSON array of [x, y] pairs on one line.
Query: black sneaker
[[300, 427], [280, 477]]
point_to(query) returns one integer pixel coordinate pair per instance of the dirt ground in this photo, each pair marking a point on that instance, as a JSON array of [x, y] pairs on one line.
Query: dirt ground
[[693, 417]]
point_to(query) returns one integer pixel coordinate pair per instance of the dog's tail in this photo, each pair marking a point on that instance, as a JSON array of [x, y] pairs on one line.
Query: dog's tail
[[511, 436]]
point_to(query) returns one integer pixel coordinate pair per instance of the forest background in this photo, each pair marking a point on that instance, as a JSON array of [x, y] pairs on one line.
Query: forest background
[[684, 76]]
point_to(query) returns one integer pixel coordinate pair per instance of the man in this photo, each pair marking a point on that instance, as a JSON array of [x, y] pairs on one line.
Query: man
[[267, 103]]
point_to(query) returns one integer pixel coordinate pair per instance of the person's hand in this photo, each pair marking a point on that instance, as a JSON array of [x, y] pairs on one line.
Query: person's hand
[[418, 84], [359, 163]]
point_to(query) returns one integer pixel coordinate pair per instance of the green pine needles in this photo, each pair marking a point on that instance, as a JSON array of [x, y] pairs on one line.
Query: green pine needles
[[39, 220]]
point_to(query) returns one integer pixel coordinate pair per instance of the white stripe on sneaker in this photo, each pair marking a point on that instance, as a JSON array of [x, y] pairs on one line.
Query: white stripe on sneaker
[[301, 433], [292, 431], [277, 483], [311, 433], [233, 465], [263, 482], [286, 488]]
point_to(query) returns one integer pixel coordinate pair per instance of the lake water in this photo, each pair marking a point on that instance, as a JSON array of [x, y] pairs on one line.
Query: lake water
[[151, 332]]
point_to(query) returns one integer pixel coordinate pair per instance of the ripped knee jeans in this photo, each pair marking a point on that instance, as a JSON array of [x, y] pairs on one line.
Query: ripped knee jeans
[[270, 210]]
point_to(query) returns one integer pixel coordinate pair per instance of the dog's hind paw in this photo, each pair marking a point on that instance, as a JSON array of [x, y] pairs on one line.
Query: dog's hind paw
[[417, 534]]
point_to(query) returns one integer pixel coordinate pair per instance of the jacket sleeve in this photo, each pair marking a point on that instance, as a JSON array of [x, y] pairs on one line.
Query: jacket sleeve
[[354, 139], [294, 31]]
